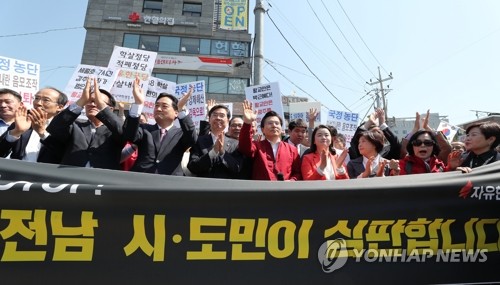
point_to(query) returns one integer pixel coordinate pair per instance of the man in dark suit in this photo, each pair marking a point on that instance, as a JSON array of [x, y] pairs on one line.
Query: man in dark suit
[[97, 142], [23, 139], [215, 155], [159, 153]]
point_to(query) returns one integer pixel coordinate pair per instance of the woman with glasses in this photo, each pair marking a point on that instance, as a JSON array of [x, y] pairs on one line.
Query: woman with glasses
[[422, 157]]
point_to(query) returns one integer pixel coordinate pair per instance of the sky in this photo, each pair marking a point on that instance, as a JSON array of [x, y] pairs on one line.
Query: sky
[[443, 55]]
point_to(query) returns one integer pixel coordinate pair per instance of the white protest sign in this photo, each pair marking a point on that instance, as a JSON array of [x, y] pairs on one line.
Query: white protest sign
[[156, 86], [300, 110], [132, 63], [265, 98], [196, 103], [20, 76], [105, 78], [346, 123]]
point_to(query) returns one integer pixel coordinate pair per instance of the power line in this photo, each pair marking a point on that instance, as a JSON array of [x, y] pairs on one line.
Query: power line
[[295, 84], [36, 33], [359, 35], [345, 38], [308, 75], [331, 39], [324, 58], [272, 21]]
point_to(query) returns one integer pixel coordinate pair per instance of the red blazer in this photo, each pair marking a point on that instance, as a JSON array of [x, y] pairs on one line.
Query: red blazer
[[416, 165], [265, 166], [310, 163]]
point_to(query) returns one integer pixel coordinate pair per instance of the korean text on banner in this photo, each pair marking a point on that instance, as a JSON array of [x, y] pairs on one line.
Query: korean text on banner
[[196, 103], [21, 76], [132, 63], [105, 78], [156, 86], [234, 15], [346, 123], [265, 98]]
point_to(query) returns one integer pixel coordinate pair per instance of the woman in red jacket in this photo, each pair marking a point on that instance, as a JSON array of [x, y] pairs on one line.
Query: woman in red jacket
[[422, 157], [320, 163]]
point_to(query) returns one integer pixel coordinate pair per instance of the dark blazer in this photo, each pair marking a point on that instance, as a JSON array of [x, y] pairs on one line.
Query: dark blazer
[[18, 148], [355, 168], [156, 157], [227, 166], [102, 150], [391, 150], [301, 148]]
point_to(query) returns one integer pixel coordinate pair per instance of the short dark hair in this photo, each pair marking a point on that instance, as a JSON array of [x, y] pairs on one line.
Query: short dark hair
[[297, 123], [62, 99], [12, 92], [112, 101], [414, 137], [270, 114], [234, 117], [220, 107], [313, 144], [374, 137], [488, 129], [175, 101]]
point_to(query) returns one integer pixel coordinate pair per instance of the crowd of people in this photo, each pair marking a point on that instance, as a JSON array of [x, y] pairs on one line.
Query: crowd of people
[[51, 132]]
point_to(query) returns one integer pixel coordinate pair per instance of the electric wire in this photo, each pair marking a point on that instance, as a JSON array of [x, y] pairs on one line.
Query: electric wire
[[289, 44]]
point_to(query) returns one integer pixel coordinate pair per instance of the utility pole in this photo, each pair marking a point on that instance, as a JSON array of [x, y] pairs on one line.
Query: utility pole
[[258, 58], [380, 93]]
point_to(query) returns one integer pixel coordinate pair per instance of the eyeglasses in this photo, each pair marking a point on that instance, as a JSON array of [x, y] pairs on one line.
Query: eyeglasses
[[44, 100], [425, 142]]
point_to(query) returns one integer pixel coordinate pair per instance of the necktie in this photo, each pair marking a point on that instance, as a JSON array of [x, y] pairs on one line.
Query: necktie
[[163, 132]]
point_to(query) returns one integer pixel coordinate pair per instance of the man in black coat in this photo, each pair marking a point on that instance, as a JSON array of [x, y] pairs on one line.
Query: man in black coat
[[96, 142], [162, 145], [24, 138], [216, 155]]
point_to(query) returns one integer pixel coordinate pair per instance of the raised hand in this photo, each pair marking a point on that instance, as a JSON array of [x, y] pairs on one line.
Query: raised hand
[[426, 122], [38, 120], [137, 91], [324, 159], [380, 113], [313, 114], [22, 121], [219, 144], [249, 115], [368, 169], [185, 98], [454, 160], [372, 121], [381, 168], [210, 104], [98, 97], [85, 98]]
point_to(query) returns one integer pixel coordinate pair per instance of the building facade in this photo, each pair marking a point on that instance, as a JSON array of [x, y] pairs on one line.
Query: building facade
[[195, 40]]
